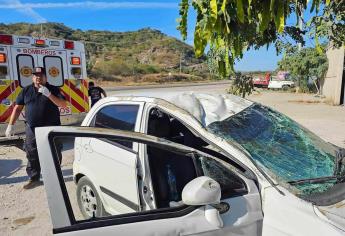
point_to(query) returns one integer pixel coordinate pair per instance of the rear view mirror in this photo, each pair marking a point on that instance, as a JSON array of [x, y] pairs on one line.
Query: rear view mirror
[[201, 191]]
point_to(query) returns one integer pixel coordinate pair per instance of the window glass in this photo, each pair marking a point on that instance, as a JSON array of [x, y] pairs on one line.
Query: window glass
[[230, 183], [117, 117], [25, 65], [121, 117], [103, 179], [105, 176]]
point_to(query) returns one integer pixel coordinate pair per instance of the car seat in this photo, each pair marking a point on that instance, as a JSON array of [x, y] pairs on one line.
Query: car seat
[[182, 167]]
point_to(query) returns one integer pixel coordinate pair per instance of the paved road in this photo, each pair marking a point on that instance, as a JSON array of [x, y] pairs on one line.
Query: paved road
[[142, 90]]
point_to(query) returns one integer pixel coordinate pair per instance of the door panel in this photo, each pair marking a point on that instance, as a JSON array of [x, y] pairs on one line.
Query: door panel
[[54, 70], [25, 65], [113, 169]]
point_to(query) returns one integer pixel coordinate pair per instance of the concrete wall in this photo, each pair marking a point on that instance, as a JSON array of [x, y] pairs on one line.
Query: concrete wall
[[332, 85]]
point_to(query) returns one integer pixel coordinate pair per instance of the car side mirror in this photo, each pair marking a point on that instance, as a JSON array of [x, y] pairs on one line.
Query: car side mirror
[[204, 191], [201, 191]]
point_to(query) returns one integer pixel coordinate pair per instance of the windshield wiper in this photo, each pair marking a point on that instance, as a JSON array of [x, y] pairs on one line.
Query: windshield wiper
[[338, 175], [313, 180]]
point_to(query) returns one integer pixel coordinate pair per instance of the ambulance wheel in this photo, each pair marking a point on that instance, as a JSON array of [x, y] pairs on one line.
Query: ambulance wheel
[[88, 199]]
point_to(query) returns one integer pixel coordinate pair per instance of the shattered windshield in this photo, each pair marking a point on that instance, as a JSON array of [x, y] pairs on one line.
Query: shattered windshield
[[280, 146]]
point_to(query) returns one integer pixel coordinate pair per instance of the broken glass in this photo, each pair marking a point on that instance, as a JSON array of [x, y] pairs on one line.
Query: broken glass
[[281, 146]]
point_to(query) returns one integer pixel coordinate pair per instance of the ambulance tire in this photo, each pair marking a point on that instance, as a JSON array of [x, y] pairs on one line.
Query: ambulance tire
[[89, 202]]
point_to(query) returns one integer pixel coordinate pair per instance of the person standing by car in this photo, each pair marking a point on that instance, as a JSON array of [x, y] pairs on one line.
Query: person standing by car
[[95, 93], [41, 101]]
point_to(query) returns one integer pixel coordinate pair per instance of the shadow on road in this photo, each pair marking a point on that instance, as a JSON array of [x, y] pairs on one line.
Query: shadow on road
[[9, 167]]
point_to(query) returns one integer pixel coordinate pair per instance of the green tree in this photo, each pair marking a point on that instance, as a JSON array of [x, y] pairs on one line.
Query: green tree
[[215, 59], [242, 85], [329, 24], [241, 24], [305, 64]]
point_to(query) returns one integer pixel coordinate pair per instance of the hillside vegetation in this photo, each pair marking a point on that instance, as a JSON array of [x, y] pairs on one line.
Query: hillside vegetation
[[145, 55]]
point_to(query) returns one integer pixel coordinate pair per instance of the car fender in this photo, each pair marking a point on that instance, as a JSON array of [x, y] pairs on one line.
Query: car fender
[[282, 211]]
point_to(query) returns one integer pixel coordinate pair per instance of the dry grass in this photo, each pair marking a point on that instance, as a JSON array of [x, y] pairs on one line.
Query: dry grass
[[306, 101], [150, 79]]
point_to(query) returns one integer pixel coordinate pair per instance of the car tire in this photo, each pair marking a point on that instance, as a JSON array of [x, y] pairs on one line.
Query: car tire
[[285, 87], [89, 202]]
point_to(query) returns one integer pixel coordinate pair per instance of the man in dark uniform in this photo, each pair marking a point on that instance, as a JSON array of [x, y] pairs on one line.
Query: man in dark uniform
[[41, 101], [95, 93]]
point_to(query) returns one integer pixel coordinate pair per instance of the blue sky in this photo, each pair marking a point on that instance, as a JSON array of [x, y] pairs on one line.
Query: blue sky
[[120, 15]]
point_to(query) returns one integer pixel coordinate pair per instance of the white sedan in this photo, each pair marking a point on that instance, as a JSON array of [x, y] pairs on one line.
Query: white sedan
[[192, 164]]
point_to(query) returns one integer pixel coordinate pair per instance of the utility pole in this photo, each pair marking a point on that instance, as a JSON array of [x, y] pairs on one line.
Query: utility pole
[[300, 24], [180, 63]]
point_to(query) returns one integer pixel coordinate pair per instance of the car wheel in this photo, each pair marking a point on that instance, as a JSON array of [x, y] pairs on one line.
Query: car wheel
[[285, 87], [88, 199]]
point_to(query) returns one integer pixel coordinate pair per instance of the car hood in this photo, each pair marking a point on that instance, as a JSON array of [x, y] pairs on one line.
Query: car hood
[[334, 213]]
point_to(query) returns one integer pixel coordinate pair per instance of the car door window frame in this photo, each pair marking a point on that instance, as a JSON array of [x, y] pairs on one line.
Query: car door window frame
[[91, 121], [124, 218], [110, 220], [143, 151]]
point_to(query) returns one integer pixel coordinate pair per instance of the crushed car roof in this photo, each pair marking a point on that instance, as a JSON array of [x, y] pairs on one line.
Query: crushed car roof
[[206, 108]]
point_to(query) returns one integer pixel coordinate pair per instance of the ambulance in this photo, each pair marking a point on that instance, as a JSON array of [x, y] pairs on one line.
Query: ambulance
[[65, 65]]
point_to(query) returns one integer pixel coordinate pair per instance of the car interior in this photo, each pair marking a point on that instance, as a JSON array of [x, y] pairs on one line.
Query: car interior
[[184, 169]]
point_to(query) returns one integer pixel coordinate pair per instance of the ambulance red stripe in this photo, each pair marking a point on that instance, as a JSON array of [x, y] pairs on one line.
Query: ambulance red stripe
[[7, 113], [73, 102], [7, 92], [76, 90]]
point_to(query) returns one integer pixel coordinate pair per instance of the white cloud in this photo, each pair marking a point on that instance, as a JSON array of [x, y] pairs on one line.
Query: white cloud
[[87, 4], [20, 7]]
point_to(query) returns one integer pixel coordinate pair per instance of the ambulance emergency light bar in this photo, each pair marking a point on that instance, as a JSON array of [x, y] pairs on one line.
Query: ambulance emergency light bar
[[69, 45], [6, 39], [40, 42]]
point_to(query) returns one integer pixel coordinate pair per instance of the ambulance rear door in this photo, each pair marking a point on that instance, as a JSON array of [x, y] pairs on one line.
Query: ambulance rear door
[[55, 66], [23, 63]]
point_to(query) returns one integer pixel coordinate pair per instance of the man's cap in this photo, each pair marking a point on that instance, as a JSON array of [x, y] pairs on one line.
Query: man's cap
[[38, 70]]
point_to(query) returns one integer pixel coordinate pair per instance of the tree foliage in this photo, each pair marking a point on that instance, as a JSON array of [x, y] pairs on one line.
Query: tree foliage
[[329, 24], [216, 58], [242, 85], [305, 64], [241, 24]]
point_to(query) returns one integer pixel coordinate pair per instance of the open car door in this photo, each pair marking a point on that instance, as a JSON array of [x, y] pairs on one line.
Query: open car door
[[238, 212]]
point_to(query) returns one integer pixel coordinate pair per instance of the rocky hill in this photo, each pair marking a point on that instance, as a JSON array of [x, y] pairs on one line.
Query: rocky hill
[[115, 56]]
